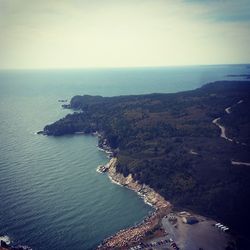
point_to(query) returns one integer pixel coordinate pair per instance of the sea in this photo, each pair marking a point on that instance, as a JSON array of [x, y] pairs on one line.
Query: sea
[[51, 196]]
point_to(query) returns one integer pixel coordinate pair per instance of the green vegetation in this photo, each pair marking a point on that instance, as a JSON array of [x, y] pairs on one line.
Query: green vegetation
[[168, 141]]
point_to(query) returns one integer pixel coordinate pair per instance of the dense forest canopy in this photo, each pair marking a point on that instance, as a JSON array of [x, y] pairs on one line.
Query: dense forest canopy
[[169, 142]]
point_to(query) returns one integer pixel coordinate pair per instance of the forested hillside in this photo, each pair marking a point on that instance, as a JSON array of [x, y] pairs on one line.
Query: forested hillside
[[169, 142]]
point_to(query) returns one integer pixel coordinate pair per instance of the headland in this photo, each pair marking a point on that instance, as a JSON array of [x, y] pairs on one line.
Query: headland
[[166, 147]]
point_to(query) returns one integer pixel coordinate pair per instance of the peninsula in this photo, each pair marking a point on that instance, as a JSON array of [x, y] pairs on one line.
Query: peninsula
[[191, 148]]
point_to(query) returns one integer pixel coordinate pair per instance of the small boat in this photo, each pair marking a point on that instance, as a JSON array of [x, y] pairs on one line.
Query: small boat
[[102, 168]]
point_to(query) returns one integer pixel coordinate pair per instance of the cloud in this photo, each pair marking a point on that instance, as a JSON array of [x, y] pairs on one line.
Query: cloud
[[115, 33], [223, 10]]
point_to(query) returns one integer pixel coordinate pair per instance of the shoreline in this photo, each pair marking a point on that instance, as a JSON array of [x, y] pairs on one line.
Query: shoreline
[[134, 235], [7, 244], [150, 196], [125, 238]]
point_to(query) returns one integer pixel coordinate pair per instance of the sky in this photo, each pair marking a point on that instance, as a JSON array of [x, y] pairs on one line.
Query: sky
[[38, 34]]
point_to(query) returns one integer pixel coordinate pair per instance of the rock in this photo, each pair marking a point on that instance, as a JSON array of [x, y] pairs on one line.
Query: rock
[[3, 244], [127, 237], [66, 106]]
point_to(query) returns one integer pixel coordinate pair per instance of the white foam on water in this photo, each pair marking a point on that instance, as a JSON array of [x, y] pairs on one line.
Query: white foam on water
[[5, 238]]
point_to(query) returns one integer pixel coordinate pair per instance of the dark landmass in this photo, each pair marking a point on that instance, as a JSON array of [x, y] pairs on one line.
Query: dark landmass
[[168, 141], [246, 76]]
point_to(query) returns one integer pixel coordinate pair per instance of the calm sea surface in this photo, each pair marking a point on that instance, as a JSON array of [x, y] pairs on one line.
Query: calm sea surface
[[51, 196]]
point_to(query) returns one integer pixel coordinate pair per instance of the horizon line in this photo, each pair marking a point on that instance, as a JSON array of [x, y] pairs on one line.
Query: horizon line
[[125, 67]]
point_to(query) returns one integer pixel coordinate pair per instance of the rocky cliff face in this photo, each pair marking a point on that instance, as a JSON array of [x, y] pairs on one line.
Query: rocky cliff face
[[150, 196], [131, 236]]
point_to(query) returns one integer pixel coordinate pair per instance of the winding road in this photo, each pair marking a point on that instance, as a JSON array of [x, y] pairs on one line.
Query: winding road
[[228, 110], [222, 128], [240, 163], [223, 134]]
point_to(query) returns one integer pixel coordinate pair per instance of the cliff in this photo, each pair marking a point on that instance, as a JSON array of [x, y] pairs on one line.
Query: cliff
[[149, 195], [133, 235]]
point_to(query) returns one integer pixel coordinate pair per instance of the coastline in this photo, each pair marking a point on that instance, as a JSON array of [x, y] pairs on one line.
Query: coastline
[[7, 244], [130, 236], [150, 196], [125, 238], [161, 218]]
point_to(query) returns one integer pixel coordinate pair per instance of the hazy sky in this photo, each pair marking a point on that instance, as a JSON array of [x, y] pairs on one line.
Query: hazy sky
[[123, 33]]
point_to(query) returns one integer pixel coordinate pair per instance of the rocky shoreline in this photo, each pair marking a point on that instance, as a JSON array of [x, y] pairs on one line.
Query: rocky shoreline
[[133, 235], [5, 244]]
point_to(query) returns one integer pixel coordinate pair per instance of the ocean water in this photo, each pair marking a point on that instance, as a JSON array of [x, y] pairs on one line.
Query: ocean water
[[51, 196]]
